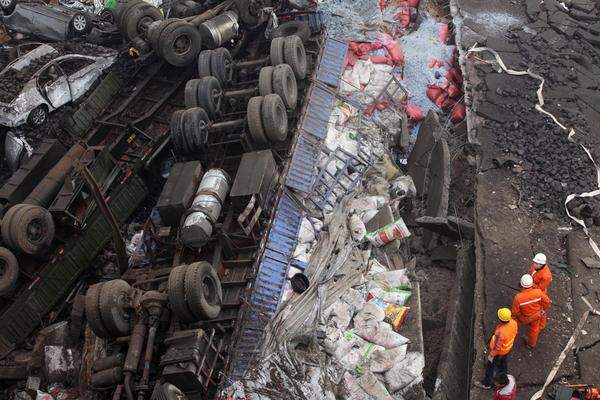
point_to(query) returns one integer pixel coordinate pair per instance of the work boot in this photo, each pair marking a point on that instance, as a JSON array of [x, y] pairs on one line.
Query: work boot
[[482, 385]]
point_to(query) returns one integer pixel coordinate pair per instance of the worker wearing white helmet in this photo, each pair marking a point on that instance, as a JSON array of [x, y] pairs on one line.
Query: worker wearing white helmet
[[542, 277], [529, 307]]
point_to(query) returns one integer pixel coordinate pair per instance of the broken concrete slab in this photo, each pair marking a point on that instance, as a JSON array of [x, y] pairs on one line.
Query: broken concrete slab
[[588, 360], [429, 133], [452, 227], [438, 180], [495, 113], [443, 253]]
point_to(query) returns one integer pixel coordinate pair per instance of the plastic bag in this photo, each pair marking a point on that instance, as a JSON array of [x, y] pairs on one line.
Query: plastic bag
[[458, 113], [398, 296], [414, 113], [307, 233], [381, 334], [384, 360], [402, 187], [390, 232], [356, 358], [393, 313], [370, 315], [373, 387], [357, 228], [405, 374], [391, 279], [353, 389]]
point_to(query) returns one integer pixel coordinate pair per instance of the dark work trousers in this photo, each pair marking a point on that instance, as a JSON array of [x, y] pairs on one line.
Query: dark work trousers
[[499, 364]]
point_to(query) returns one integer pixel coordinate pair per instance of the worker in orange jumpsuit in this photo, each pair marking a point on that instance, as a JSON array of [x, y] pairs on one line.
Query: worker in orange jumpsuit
[[542, 277], [500, 345], [529, 306]]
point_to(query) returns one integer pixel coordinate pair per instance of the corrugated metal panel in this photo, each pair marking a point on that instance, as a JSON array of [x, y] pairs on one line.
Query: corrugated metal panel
[[318, 111], [269, 284], [332, 62], [301, 175]]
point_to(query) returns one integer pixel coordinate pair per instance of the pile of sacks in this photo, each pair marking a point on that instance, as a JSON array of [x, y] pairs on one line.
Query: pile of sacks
[[363, 335]]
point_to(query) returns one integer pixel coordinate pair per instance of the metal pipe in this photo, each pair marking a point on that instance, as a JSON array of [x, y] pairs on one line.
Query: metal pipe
[[128, 391], [135, 347], [240, 92], [251, 63], [147, 360], [227, 125], [43, 194], [208, 14], [122, 259]]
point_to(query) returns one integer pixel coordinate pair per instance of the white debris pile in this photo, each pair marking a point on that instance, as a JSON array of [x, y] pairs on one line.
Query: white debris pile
[[351, 334]]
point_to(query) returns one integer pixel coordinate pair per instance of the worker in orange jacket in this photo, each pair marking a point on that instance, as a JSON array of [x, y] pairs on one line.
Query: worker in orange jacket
[[529, 306], [542, 277], [500, 345]]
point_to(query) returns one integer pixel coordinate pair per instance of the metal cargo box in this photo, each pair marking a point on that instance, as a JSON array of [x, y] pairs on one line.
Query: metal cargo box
[[257, 174], [178, 192]]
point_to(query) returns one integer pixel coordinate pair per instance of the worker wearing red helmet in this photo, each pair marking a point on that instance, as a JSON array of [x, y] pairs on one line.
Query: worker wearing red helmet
[[529, 307], [542, 277]]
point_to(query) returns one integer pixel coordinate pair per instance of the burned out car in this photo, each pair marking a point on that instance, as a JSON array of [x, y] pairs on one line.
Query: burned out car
[[43, 80], [47, 21]]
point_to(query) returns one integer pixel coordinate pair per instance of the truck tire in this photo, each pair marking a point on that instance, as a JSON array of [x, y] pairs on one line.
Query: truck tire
[[209, 96], [298, 28], [121, 13], [190, 94], [245, 14], [113, 300], [203, 290], [7, 222], [197, 134], [139, 19], [274, 118], [221, 65], [177, 134], [155, 32], [254, 119], [265, 80], [176, 293], [284, 84], [92, 311], [33, 229], [9, 271], [180, 44], [276, 52], [8, 6], [204, 63], [295, 55]]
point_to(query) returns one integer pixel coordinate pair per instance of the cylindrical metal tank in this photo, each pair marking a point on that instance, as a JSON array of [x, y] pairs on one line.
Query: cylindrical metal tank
[[206, 208], [108, 362], [107, 378], [43, 194], [219, 30]]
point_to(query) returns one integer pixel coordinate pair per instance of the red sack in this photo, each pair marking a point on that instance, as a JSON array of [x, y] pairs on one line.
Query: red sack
[[414, 3], [414, 113], [381, 4], [448, 103], [443, 32], [439, 101], [381, 59], [395, 52], [433, 92], [453, 91], [458, 113]]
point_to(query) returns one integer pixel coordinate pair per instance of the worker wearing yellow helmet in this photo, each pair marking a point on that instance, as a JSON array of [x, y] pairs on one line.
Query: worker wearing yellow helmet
[[500, 345]]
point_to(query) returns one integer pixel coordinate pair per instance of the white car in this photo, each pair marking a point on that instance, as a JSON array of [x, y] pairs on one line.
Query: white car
[[49, 86]]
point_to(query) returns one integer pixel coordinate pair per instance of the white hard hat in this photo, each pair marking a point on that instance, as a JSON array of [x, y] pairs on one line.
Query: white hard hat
[[526, 281], [540, 258]]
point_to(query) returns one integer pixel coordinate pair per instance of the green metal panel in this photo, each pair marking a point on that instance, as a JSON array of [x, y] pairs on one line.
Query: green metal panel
[[55, 280]]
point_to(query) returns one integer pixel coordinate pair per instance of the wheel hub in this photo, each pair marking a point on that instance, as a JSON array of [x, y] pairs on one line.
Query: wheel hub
[[3, 266], [182, 44], [79, 22], [36, 230]]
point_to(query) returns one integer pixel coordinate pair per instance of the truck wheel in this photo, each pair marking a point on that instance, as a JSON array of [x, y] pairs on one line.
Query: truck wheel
[[276, 53], [8, 6], [7, 223], [180, 44], [254, 117], [120, 14], [295, 55], [209, 96], [274, 117], [204, 63], [221, 65], [265, 80], [81, 24], [108, 15], [139, 20], [197, 131], [190, 94], [113, 304], [284, 84], [33, 229], [155, 30], [298, 28], [245, 13], [203, 290], [92, 311], [176, 293], [177, 137], [38, 116], [9, 271]]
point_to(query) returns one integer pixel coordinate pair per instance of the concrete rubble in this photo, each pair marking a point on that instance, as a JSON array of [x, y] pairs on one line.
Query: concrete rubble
[[309, 200]]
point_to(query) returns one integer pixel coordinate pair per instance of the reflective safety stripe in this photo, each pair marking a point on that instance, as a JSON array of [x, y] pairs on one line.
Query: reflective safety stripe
[[533, 273], [531, 301], [507, 345]]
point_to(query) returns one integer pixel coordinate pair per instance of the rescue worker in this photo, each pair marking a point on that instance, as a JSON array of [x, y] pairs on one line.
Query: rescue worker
[[506, 387], [529, 307], [500, 345], [542, 277]]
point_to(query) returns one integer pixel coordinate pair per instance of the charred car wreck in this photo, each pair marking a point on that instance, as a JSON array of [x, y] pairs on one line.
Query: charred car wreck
[[138, 243]]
